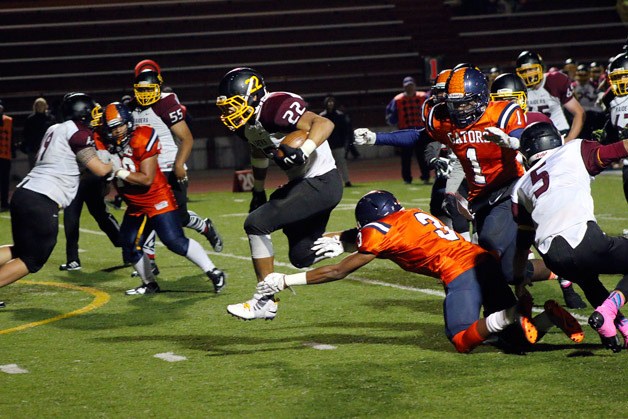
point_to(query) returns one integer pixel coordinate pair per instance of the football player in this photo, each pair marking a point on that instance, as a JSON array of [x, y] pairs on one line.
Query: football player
[[91, 192], [302, 207], [549, 93], [166, 115], [616, 102], [420, 243], [51, 184], [553, 207], [149, 198]]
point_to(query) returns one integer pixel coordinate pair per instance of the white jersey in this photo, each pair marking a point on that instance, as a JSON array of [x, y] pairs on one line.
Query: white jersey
[[162, 115], [556, 191], [618, 110], [56, 171], [277, 115], [554, 91]]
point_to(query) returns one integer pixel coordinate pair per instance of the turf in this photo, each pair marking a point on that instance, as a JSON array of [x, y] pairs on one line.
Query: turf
[[386, 354]]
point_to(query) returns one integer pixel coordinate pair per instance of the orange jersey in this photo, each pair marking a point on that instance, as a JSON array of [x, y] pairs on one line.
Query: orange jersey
[[486, 165], [142, 200], [419, 242]]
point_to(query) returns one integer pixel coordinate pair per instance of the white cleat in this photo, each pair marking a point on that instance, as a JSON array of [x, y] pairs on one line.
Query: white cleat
[[254, 309]]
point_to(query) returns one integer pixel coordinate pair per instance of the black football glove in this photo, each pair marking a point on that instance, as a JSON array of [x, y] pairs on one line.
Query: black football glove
[[259, 199], [292, 157]]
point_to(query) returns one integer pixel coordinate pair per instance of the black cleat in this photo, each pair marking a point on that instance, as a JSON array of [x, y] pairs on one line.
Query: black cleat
[[572, 298], [144, 289], [212, 235], [218, 279], [73, 265]]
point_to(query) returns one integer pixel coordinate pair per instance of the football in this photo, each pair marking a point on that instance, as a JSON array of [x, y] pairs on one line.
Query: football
[[295, 139]]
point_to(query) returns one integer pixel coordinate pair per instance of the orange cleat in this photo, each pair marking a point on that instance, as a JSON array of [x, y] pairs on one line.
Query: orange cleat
[[564, 321], [528, 328]]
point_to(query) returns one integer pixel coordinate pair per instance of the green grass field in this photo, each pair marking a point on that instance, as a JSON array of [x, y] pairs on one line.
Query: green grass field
[[369, 346]]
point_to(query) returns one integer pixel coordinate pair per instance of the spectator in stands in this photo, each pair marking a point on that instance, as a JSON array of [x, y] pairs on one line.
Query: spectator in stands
[[6, 154], [35, 127], [589, 98], [339, 137], [404, 111], [350, 148]]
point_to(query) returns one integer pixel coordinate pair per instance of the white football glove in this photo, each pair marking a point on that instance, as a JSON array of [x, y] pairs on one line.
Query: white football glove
[[364, 136], [116, 162], [441, 166], [328, 247], [499, 137], [272, 284]]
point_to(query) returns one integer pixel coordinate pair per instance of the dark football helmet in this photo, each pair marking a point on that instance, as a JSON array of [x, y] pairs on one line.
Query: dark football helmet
[[618, 74], [536, 139], [530, 68], [437, 90], [239, 93], [466, 96], [147, 87], [374, 206], [509, 86], [77, 107], [118, 125]]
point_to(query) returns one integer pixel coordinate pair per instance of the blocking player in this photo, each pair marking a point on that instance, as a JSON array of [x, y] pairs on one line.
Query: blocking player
[[166, 115], [51, 184], [420, 243], [302, 207], [549, 93], [553, 206], [149, 198]]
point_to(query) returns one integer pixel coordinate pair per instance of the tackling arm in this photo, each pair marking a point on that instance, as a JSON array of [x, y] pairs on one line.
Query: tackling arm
[[183, 133]]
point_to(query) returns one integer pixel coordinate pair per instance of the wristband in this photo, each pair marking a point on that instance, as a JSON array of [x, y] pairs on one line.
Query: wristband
[[259, 163], [122, 174], [308, 147], [295, 279]]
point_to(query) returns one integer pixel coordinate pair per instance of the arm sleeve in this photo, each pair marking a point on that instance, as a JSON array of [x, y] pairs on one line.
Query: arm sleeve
[[432, 150], [403, 138], [597, 157], [391, 113]]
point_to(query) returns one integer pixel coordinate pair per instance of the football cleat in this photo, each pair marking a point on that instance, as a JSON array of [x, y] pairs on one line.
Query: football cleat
[[2, 304], [144, 289], [153, 267], [254, 309], [74, 265], [603, 323], [527, 327], [218, 279], [562, 319], [572, 298], [212, 235]]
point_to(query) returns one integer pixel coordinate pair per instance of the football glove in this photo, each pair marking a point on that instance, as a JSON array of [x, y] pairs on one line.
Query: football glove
[[499, 137], [259, 199], [364, 136], [441, 166], [328, 247], [292, 157], [272, 284]]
